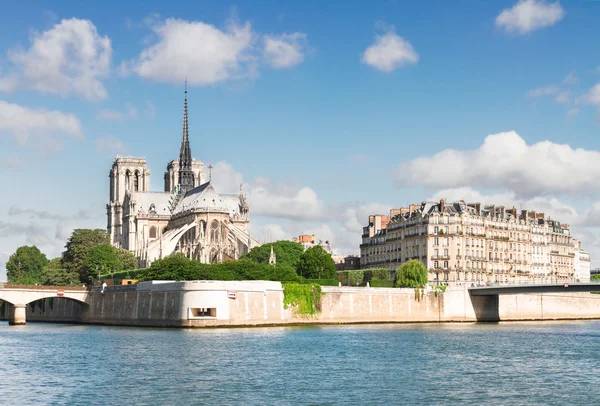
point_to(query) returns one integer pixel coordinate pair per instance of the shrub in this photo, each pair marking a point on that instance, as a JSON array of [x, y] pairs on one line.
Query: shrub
[[375, 283], [381, 274], [356, 277], [411, 274]]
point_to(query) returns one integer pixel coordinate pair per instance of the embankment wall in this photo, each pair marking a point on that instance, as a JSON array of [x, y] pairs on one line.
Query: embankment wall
[[217, 303]]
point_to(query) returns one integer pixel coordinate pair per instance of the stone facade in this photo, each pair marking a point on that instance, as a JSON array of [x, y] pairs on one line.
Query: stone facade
[[461, 242], [191, 218]]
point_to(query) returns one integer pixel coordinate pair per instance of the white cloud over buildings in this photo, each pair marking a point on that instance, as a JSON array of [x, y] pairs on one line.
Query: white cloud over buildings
[[505, 160], [530, 15]]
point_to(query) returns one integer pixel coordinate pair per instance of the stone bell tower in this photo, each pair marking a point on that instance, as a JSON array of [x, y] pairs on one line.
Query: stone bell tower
[[128, 174]]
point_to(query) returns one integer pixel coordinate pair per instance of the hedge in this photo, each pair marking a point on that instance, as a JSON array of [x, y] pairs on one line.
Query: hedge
[[374, 283]]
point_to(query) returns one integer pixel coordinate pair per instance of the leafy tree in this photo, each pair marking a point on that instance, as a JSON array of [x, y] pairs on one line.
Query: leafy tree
[[287, 255], [179, 268], [411, 274], [127, 259], [77, 247], [174, 267], [54, 274], [100, 259], [316, 263], [25, 265]]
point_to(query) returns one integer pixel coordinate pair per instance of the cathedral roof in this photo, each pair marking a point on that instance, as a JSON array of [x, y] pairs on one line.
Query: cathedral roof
[[205, 197], [152, 202]]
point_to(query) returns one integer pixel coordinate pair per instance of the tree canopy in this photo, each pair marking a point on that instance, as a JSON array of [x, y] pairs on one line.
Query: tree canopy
[[100, 260], [179, 268], [77, 247], [25, 265], [316, 263], [54, 274], [411, 274], [287, 255], [127, 259]]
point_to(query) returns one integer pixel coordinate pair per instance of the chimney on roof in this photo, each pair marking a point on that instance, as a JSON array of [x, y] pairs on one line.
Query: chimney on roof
[[514, 212], [412, 208], [478, 208], [523, 215], [442, 204]]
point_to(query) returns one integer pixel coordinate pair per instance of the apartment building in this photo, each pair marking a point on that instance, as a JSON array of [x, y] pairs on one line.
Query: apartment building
[[460, 242]]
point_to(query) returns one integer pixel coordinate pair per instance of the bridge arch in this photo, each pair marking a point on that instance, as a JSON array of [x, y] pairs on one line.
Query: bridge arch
[[19, 297]]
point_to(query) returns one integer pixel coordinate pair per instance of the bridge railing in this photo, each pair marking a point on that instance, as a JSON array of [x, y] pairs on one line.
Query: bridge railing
[[40, 287]]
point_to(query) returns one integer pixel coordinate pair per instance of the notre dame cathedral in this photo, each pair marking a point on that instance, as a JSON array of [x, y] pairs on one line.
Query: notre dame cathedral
[[189, 216]]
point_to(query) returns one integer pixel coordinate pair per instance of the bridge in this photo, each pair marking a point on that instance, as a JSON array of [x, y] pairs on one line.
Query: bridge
[[533, 288], [19, 296]]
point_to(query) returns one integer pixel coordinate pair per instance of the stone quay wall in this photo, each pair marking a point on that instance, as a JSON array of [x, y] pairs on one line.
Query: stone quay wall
[[252, 303]]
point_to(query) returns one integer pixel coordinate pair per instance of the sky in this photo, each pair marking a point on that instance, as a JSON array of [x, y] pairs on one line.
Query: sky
[[326, 112]]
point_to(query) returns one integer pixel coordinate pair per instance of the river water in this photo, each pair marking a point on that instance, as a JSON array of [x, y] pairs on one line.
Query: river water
[[553, 363]]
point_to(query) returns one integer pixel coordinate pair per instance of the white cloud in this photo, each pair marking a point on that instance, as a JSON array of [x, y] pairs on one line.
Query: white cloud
[[283, 210], [201, 52], [109, 144], [506, 161], [573, 112], [25, 123], [571, 79], [71, 58], [284, 50], [563, 97], [543, 91], [109, 115], [530, 15], [268, 198], [592, 96], [390, 52]]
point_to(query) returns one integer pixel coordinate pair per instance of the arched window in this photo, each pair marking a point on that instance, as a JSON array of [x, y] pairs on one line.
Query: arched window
[[152, 232], [136, 181], [214, 231], [127, 180]]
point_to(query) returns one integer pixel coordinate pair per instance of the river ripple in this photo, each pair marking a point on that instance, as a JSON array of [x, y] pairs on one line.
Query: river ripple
[[550, 363]]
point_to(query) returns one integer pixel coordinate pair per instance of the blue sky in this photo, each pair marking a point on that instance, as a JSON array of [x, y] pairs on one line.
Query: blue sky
[[320, 108]]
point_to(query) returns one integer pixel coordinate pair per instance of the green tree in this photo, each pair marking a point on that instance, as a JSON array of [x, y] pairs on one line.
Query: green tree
[[54, 274], [316, 263], [411, 274], [100, 259], [127, 259], [174, 267], [25, 265], [287, 252], [77, 247]]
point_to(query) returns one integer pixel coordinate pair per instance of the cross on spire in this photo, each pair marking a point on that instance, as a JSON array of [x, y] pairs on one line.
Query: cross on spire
[[210, 168]]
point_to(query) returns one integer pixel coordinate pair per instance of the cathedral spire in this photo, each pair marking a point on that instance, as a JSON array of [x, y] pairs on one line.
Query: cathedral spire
[[186, 175]]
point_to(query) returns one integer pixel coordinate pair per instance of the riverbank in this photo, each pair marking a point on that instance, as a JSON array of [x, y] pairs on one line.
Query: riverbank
[[261, 303]]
